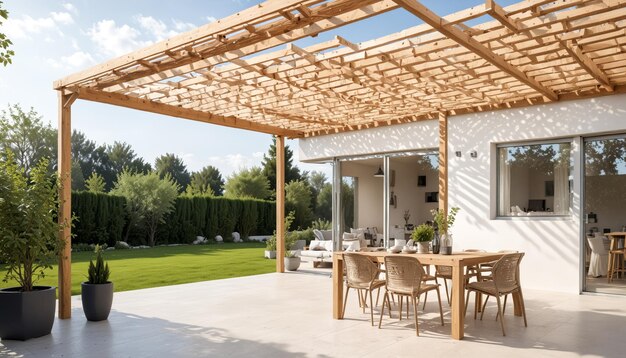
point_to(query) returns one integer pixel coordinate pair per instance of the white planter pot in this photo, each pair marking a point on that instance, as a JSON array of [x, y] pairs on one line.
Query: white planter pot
[[422, 247], [270, 254]]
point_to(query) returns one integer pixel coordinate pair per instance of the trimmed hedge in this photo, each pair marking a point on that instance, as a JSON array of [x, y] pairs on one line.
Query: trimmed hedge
[[101, 218]]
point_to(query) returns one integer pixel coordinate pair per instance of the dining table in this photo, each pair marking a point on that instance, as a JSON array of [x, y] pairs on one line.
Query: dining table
[[457, 260]]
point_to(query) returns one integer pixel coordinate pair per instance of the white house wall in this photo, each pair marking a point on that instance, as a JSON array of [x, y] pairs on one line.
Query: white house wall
[[552, 245]]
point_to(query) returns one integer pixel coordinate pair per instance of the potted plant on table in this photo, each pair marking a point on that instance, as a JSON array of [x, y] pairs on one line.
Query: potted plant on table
[[97, 292], [444, 223], [29, 243], [423, 235]]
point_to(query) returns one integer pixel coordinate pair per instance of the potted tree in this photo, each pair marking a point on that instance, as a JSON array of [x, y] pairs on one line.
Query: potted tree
[[444, 223], [29, 243], [292, 260], [97, 292], [422, 235]]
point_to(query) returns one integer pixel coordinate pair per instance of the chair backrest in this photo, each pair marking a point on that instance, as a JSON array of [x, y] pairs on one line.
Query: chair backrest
[[403, 273], [318, 234], [506, 271], [359, 268], [596, 244]]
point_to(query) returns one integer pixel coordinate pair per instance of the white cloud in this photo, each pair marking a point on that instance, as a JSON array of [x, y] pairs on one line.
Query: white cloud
[[21, 28], [230, 163], [115, 40], [78, 59], [154, 27], [71, 8], [63, 18], [182, 26], [211, 19]]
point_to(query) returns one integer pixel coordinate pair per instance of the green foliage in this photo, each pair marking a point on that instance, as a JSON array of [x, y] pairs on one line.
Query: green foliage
[[324, 209], [290, 239], [321, 224], [148, 199], [423, 233], [5, 53], [95, 183], [100, 218], [269, 167], [173, 166], [98, 274], [29, 232], [298, 200], [207, 181], [26, 135], [444, 222], [248, 183]]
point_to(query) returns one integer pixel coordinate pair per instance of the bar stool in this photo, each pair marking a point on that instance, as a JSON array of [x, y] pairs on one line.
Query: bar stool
[[616, 261]]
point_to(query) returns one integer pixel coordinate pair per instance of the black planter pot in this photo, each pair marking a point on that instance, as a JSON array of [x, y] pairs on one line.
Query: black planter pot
[[97, 300], [26, 315]]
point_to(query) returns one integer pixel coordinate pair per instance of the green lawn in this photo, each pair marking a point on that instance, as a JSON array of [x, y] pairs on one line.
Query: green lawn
[[161, 266]]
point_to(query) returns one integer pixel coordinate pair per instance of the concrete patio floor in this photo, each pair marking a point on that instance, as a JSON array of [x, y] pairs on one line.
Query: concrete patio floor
[[289, 315]]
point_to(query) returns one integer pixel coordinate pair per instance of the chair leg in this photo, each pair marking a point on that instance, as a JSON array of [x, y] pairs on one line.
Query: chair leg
[[500, 314], [371, 307], [521, 299], [425, 298], [417, 331], [400, 298], [345, 301], [445, 283], [504, 305], [476, 305], [407, 307], [482, 313], [377, 295], [382, 310], [466, 303], [440, 308]]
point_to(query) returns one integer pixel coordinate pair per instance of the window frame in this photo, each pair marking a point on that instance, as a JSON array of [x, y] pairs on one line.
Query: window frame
[[559, 217]]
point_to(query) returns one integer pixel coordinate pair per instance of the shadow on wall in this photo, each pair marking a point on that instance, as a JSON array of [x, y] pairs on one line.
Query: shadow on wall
[[127, 335]]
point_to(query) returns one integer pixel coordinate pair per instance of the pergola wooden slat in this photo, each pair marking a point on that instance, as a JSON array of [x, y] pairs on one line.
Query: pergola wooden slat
[[230, 73]]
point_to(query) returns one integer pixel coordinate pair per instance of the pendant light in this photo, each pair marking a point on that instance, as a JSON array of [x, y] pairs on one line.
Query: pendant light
[[379, 173]]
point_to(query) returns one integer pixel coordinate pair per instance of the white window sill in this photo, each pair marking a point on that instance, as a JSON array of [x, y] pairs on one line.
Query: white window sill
[[536, 218]]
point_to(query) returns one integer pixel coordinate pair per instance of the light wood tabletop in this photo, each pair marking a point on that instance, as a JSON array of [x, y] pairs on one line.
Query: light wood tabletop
[[458, 261]]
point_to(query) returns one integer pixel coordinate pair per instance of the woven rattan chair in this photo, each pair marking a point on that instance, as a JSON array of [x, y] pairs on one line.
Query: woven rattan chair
[[361, 274], [505, 280], [404, 277]]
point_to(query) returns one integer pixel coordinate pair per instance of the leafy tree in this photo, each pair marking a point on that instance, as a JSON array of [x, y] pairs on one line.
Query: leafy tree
[[316, 181], [25, 134], [172, 165], [29, 232], [248, 183], [122, 156], [78, 180], [269, 166], [324, 209], [298, 199], [207, 181], [83, 153], [605, 157], [5, 53], [148, 199], [95, 183]]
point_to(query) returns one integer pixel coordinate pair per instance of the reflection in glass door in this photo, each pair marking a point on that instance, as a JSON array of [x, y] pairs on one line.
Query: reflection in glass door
[[605, 211]]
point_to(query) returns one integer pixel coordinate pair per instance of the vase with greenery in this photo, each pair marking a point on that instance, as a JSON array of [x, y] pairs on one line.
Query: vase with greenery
[[444, 223], [29, 244], [423, 235], [97, 292]]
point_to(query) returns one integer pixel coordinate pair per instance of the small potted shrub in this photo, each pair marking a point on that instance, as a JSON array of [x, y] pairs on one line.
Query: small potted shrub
[[292, 260], [270, 247], [97, 292], [29, 244], [423, 235]]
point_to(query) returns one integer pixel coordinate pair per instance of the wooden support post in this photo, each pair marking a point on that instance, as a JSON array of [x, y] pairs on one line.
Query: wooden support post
[[443, 162], [280, 203], [458, 306], [65, 199]]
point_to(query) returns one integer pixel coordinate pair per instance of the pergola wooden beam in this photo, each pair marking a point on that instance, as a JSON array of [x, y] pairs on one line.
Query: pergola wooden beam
[[280, 204], [172, 111], [468, 42], [587, 64]]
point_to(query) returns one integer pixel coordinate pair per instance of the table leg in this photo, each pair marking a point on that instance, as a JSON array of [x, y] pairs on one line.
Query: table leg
[[337, 287], [458, 293]]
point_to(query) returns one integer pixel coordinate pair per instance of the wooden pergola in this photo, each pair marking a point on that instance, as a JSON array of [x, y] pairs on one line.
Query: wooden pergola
[[223, 73]]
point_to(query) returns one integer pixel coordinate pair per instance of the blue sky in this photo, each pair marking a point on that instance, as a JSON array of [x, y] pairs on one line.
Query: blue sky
[[53, 39]]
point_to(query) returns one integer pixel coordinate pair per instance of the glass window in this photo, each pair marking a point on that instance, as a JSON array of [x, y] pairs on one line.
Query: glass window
[[534, 180]]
